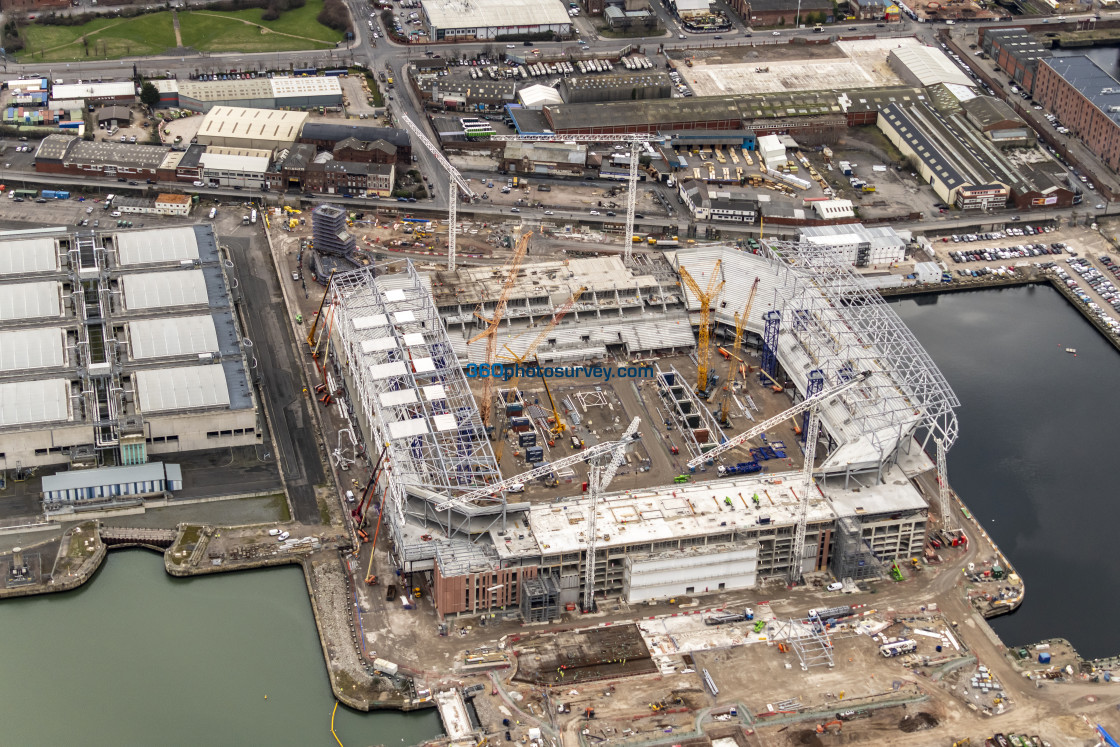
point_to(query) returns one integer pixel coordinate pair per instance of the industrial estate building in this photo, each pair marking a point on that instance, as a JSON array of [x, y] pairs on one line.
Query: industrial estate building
[[399, 351], [118, 345], [267, 129], [1016, 52], [494, 19], [1086, 99], [259, 93]]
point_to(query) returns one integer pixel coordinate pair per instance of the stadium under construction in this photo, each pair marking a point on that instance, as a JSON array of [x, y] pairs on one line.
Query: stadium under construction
[[700, 513]]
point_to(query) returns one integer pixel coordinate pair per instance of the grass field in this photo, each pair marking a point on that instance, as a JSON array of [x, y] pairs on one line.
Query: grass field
[[154, 34], [239, 31], [108, 39]]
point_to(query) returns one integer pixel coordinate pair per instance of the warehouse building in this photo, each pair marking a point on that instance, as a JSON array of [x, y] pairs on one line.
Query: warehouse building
[[1086, 99], [106, 483], [558, 159], [67, 154], [266, 129], [227, 170], [1016, 52], [711, 203], [326, 136], [257, 93], [654, 84], [164, 204], [926, 66], [780, 12], [123, 92], [495, 19], [118, 345], [998, 121]]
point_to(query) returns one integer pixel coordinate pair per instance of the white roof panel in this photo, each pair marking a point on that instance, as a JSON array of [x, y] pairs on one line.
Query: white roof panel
[[159, 289], [404, 317], [161, 245], [370, 322], [399, 397], [28, 255], [30, 301], [414, 338], [23, 349], [379, 344], [181, 335], [444, 422], [182, 388], [387, 370], [434, 392], [39, 401], [423, 365], [406, 428], [394, 294]]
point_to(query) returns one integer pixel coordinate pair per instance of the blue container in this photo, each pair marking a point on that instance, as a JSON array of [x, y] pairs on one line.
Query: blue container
[[1044, 657]]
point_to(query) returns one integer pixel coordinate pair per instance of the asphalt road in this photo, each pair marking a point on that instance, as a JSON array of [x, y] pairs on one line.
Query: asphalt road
[[276, 369]]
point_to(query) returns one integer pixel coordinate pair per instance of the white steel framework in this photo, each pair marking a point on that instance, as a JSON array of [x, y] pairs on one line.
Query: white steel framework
[[947, 520], [635, 142], [812, 433], [457, 182], [845, 326], [597, 481], [406, 384]]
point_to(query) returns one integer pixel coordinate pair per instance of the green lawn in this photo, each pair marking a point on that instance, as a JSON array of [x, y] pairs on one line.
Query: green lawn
[[235, 31], [154, 34], [109, 38]]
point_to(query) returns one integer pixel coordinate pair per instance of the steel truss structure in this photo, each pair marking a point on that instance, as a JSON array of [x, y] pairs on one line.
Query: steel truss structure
[[815, 385], [810, 642], [843, 326], [410, 393], [770, 344]]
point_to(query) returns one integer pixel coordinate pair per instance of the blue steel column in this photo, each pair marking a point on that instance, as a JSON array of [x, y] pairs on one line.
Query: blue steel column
[[770, 343], [815, 385]]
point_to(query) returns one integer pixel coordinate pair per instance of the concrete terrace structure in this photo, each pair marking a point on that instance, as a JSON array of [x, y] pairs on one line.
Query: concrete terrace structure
[[1085, 99], [494, 19], [117, 345], [266, 129]]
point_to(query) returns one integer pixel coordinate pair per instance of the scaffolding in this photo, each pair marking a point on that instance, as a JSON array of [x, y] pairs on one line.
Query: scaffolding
[[852, 557], [842, 326], [809, 640], [410, 393], [540, 599]]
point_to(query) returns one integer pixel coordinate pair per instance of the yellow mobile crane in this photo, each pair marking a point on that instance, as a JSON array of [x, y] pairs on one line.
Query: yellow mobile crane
[[319, 313], [706, 298], [734, 360], [485, 402]]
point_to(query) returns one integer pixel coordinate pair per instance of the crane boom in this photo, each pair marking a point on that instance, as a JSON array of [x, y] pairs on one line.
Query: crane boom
[[598, 479], [947, 519], [589, 453], [491, 331], [706, 297], [733, 360], [457, 182], [765, 425]]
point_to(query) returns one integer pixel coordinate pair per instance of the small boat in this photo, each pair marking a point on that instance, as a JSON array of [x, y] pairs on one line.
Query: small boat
[[1072, 350]]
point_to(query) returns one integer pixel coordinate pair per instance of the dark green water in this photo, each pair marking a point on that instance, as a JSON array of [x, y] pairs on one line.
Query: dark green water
[[1036, 457], [136, 657]]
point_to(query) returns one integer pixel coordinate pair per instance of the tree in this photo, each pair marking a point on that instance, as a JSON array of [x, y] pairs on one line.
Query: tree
[[149, 94]]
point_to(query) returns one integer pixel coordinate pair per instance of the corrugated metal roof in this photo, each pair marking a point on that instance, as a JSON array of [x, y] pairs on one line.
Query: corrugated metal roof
[[180, 335], [39, 401], [157, 289], [181, 388], [92, 478], [930, 66], [160, 245], [28, 255], [30, 301], [457, 14], [24, 349]]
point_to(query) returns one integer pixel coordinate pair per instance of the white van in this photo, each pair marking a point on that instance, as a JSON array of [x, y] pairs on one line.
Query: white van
[[349, 496]]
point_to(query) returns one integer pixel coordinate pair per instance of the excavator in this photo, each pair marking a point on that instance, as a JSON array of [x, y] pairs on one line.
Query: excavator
[[826, 728]]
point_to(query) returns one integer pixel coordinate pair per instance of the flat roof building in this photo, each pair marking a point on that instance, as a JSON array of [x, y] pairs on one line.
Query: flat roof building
[[1015, 51], [267, 129], [67, 154], [143, 358], [492, 19], [122, 91], [1086, 99], [257, 93]]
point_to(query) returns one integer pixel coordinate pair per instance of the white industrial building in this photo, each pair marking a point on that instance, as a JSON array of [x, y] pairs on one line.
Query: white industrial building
[[922, 66], [117, 345], [493, 19], [117, 91], [771, 151], [258, 93], [226, 170], [239, 127], [878, 246], [397, 351]]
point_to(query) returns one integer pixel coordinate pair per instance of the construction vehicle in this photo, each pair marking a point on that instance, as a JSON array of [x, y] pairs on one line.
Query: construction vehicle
[[558, 426], [319, 313], [705, 298], [824, 728], [416, 591], [485, 400], [371, 580]]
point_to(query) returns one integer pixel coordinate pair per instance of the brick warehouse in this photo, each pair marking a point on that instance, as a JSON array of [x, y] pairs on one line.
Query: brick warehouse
[[1086, 99], [1016, 52]]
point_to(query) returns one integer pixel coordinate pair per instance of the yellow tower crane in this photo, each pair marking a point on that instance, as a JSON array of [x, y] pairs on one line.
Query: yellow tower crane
[[706, 298], [734, 360], [485, 402]]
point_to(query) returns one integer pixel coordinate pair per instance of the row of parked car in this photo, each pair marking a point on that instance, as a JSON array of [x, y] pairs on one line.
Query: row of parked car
[[1020, 251], [993, 235], [1102, 285]]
